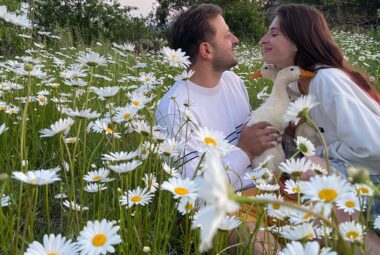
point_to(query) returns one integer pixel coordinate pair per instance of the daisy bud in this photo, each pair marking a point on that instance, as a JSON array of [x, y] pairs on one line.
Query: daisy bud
[[146, 249], [93, 166], [358, 175], [24, 163], [28, 67]]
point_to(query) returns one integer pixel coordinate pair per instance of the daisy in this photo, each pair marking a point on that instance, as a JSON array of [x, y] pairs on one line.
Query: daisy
[[349, 203], [265, 162], [138, 100], [305, 231], [125, 167], [170, 170], [60, 126], [299, 108], [311, 248], [137, 196], [4, 201], [126, 114], [52, 245], [318, 168], [181, 187], [261, 175], [106, 92], [94, 187], [185, 75], [363, 189], [102, 125], [84, 113], [147, 78], [74, 72], [151, 182], [229, 223], [295, 167], [305, 146], [119, 156], [73, 206], [325, 188], [142, 127], [274, 210], [76, 82], [92, 59], [99, 238], [186, 205], [292, 187], [351, 231], [376, 223], [42, 100], [212, 140], [71, 140], [176, 58], [266, 186], [100, 175], [3, 128], [170, 147], [124, 46], [38, 177]]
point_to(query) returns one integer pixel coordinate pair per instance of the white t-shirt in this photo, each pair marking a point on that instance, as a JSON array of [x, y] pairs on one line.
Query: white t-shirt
[[225, 108]]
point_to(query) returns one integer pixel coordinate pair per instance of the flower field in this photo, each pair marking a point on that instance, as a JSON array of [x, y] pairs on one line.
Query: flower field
[[84, 169]]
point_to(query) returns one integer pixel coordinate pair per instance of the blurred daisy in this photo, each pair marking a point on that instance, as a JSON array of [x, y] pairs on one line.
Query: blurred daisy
[[73, 206], [92, 59], [100, 175], [305, 146], [137, 196], [119, 156], [150, 182], [186, 205], [60, 126], [147, 78], [124, 46], [41, 99], [267, 186], [4, 201], [351, 231], [260, 175], [94, 187], [299, 108], [181, 187], [126, 114], [176, 58], [170, 170], [170, 147], [295, 166], [103, 125], [3, 128], [99, 238], [71, 140], [363, 189], [106, 92], [310, 248], [305, 231], [229, 223], [38, 177], [318, 168], [325, 188], [376, 223], [349, 203], [265, 162], [125, 167], [84, 113], [52, 245], [185, 75], [292, 187], [212, 140]]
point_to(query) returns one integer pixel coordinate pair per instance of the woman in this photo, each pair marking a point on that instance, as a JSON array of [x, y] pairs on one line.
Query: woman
[[348, 112]]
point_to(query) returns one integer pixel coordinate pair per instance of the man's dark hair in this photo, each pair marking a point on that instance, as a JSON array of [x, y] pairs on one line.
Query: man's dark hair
[[192, 27]]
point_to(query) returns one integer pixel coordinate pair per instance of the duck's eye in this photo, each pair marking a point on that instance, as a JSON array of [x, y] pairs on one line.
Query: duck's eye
[[291, 69], [266, 68]]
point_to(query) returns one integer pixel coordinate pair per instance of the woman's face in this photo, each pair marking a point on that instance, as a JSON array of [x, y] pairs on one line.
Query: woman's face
[[277, 48]]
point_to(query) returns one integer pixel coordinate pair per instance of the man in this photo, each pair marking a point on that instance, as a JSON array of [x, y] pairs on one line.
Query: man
[[213, 97]]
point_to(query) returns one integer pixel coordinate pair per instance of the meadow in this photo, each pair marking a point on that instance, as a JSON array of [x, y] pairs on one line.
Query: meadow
[[82, 158]]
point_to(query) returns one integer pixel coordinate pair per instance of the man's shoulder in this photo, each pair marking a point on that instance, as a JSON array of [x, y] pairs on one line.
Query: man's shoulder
[[230, 75]]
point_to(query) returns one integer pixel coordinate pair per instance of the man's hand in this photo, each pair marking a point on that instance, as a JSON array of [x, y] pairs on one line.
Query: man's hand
[[257, 138]]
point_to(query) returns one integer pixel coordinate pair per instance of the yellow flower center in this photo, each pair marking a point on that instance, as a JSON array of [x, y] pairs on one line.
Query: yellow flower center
[[52, 253], [188, 207], [276, 206], [174, 57], [108, 130], [136, 199], [96, 178], [181, 191], [2, 107], [211, 141], [327, 195], [75, 76], [363, 191], [309, 236], [306, 216], [42, 99], [352, 234], [147, 79], [296, 189], [127, 116], [136, 103], [350, 204], [99, 240]]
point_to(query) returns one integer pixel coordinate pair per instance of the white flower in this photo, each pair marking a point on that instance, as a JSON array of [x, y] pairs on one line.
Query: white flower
[[71, 140], [292, 187], [92, 59], [363, 189], [229, 223], [305, 231], [4, 201], [376, 223], [181, 187], [351, 231], [176, 58], [106, 91], [311, 248], [349, 203], [38, 177], [305, 146], [124, 46], [295, 167], [99, 238], [94, 187], [325, 188], [259, 175], [170, 147], [212, 140], [125, 167], [60, 126], [100, 175], [137, 196], [185, 75], [266, 186], [186, 205], [299, 108], [170, 170], [119, 156], [73, 206], [150, 181], [84, 113], [318, 168], [3, 128], [126, 114], [52, 245]]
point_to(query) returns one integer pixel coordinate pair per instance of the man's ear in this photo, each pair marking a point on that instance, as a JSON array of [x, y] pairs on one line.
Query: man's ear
[[205, 50]]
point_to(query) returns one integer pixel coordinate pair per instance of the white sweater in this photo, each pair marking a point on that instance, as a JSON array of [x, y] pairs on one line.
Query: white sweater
[[224, 108], [349, 118]]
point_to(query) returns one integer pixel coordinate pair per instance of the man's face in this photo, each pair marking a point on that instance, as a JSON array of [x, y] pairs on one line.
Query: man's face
[[223, 44]]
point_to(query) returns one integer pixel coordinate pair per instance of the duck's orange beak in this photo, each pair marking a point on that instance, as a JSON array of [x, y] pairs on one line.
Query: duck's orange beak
[[256, 75], [307, 74]]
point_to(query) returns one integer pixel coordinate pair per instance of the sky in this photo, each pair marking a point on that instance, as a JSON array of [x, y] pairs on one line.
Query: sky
[[145, 6]]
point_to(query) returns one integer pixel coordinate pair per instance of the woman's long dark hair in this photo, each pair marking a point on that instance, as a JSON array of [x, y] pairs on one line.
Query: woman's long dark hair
[[308, 29]]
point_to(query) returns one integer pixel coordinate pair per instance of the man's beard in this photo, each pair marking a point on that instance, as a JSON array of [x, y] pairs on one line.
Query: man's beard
[[221, 63]]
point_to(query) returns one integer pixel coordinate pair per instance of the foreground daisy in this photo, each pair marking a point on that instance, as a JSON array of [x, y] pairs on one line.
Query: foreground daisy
[[176, 58], [52, 244], [311, 248], [181, 187], [137, 196], [212, 140], [98, 238], [299, 108], [60, 126], [229, 223], [295, 167], [349, 203], [38, 177], [351, 231], [186, 205], [305, 146]]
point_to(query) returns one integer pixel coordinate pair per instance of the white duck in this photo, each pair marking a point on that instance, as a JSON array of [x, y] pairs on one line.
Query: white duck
[[275, 107]]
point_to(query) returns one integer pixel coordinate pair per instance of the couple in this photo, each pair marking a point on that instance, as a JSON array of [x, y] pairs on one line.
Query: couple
[[217, 99]]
